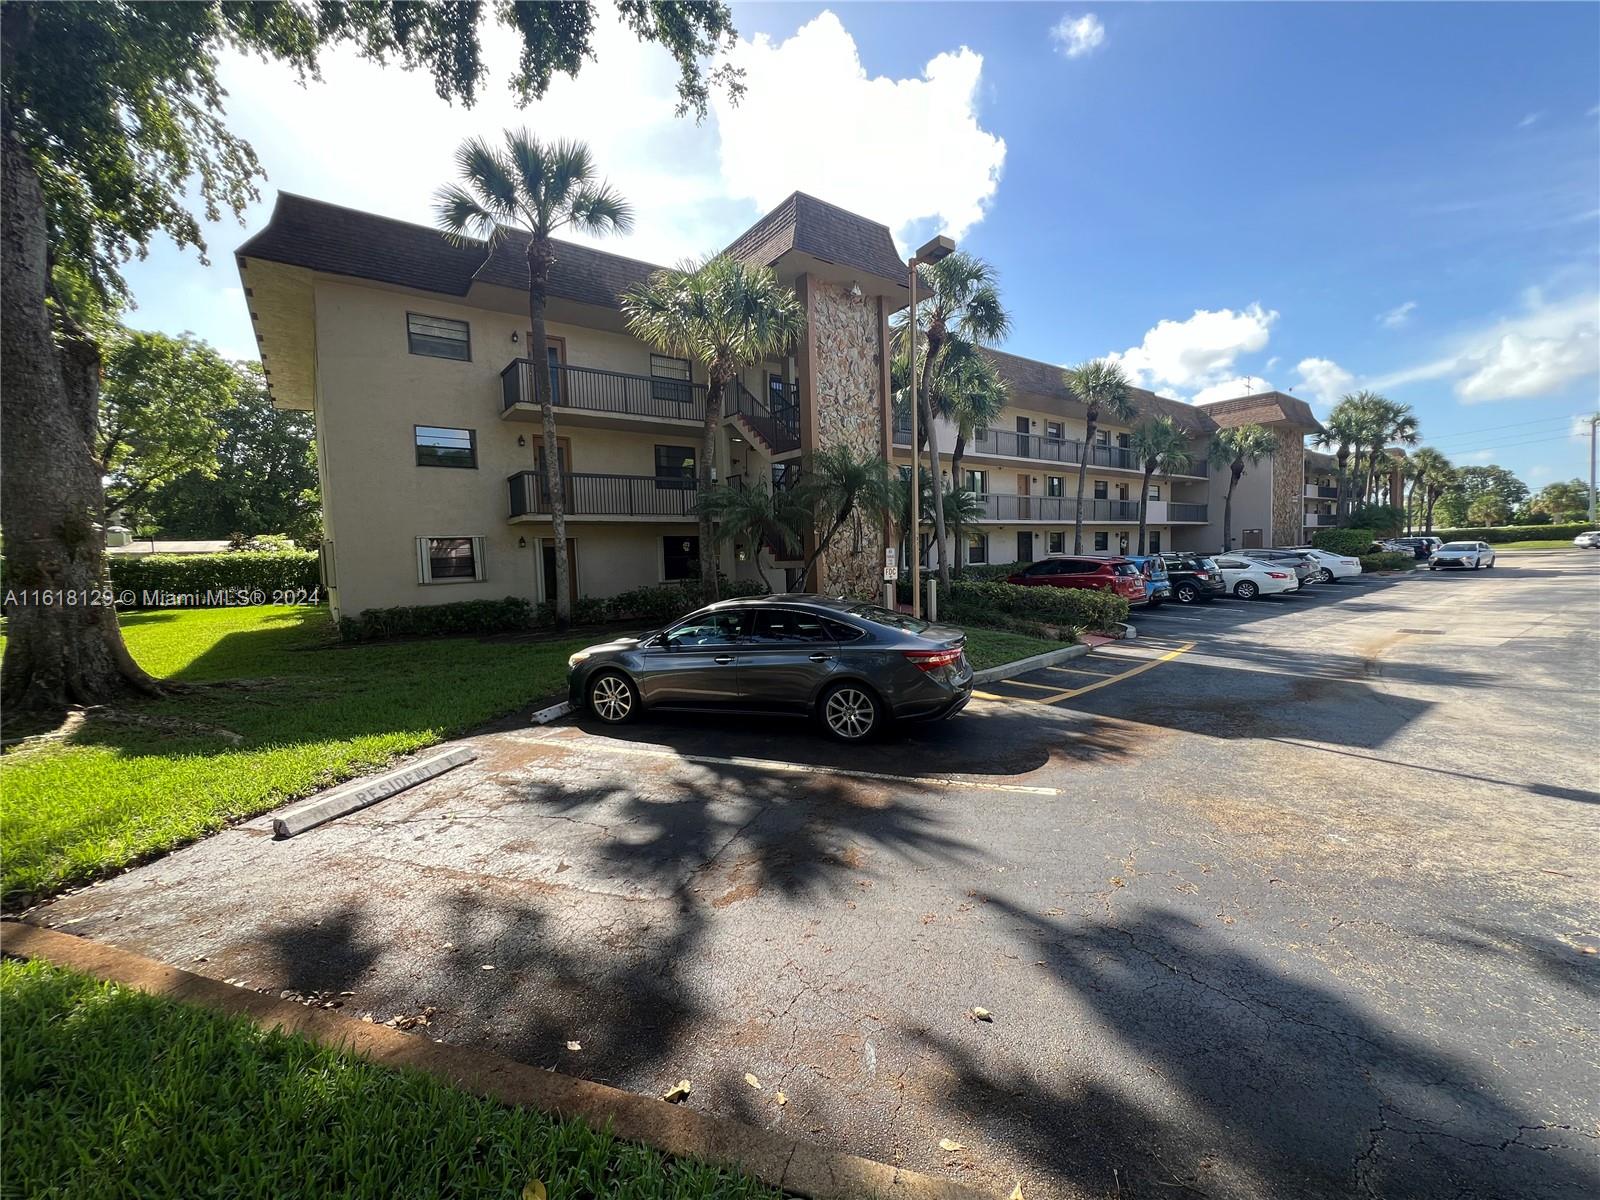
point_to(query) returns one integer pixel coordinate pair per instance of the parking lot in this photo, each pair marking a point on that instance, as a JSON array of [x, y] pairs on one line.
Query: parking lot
[[1293, 897]]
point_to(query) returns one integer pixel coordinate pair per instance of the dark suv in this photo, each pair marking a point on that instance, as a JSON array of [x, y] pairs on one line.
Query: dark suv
[[1194, 577]]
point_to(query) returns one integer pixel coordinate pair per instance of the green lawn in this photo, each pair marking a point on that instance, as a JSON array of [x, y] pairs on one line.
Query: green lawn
[[992, 647], [115, 793], [111, 1092], [1536, 544]]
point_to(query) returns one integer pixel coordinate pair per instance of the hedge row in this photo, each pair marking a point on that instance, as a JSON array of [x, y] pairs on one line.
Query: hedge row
[[153, 578], [655, 605], [1513, 533], [1389, 560], [1344, 541], [979, 602]]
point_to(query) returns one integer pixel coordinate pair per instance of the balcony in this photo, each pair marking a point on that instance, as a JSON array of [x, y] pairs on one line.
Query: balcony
[[1058, 510], [604, 497], [1001, 443], [1321, 520], [604, 399], [1318, 492]]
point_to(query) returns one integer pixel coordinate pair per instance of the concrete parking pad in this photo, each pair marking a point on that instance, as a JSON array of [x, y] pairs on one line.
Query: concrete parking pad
[[1307, 909]]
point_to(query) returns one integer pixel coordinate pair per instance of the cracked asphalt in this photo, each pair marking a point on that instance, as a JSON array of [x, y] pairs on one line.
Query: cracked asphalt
[[1309, 909]]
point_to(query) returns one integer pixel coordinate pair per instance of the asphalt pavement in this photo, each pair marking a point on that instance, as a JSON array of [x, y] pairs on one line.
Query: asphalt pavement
[[1295, 897]]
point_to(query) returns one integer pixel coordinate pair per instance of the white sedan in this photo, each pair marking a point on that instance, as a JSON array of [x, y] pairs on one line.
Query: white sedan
[[1246, 578], [1462, 554], [1589, 541], [1332, 566]]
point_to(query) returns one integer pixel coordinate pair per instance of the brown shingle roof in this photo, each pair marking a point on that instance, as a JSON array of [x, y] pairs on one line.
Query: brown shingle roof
[[823, 231], [579, 273], [1263, 408], [1045, 379]]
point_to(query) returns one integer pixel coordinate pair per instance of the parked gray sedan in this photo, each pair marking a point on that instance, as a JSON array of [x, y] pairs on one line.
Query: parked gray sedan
[[853, 666]]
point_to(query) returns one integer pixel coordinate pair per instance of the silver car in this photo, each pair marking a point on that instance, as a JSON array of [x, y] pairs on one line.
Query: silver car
[[855, 667], [1462, 554], [1304, 565]]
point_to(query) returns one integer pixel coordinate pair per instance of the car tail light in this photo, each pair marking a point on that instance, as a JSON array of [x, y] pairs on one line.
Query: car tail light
[[932, 660], [1350, 562], [1277, 575]]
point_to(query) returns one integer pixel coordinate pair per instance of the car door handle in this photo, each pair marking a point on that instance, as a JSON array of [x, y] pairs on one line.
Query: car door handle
[[822, 658], [724, 659]]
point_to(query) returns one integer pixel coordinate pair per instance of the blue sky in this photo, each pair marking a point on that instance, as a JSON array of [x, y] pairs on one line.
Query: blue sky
[[1315, 197]]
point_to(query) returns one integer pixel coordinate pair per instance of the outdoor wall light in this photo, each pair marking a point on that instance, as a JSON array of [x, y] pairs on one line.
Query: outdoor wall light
[[740, 552], [855, 290], [521, 441], [513, 337], [522, 543]]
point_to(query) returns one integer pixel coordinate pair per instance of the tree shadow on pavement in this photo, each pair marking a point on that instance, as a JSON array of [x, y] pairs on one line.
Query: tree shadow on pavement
[[1241, 1078]]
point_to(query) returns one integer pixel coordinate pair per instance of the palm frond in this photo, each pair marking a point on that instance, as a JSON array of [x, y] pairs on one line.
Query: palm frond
[[461, 217], [490, 177], [598, 210]]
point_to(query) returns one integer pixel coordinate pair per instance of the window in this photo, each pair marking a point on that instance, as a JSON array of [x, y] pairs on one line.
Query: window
[[1123, 440], [1058, 543], [978, 482], [449, 559], [438, 337], [680, 557], [1054, 485], [675, 467], [712, 629], [1122, 491], [1102, 437], [1102, 541], [438, 446], [842, 632], [1101, 489], [978, 548], [1155, 541], [780, 626], [1055, 431], [669, 378], [1155, 491]]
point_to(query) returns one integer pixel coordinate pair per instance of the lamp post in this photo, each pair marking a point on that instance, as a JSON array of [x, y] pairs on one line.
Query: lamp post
[[931, 252], [1594, 423]]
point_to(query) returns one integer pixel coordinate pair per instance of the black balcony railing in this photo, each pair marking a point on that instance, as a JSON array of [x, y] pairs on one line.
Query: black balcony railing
[[589, 495], [1177, 511], [778, 426], [1322, 493], [998, 506], [1057, 450], [592, 390], [1321, 520]]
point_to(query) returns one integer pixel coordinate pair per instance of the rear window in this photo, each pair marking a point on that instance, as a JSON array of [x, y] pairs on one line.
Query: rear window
[[883, 616], [1208, 564], [1124, 568]]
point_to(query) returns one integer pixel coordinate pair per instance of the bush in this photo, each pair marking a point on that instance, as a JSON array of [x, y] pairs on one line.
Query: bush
[[265, 543], [983, 603], [1389, 560], [1343, 541], [154, 576], [989, 572], [1384, 519], [1512, 533], [659, 603], [510, 615]]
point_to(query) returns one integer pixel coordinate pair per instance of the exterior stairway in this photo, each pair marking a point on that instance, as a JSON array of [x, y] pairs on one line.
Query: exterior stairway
[[776, 434]]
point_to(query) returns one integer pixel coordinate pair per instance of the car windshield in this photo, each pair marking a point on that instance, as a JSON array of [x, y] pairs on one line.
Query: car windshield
[[883, 616], [1124, 568], [1459, 546]]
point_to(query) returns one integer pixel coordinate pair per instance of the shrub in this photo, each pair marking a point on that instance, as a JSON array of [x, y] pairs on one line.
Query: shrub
[[265, 543], [1512, 533], [989, 572], [1389, 560], [1384, 519], [420, 620], [1343, 541], [153, 577], [981, 603]]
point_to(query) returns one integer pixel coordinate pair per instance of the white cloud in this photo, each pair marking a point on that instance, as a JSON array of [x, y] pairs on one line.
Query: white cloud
[[1530, 119], [1271, 362], [1398, 315], [1481, 456], [908, 152], [1199, 352], [1541, 472], [1231, 389], [1323, 379], [1077, 36]]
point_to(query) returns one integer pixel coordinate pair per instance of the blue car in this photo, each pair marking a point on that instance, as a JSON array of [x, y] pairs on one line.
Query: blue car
[[1157, 584]]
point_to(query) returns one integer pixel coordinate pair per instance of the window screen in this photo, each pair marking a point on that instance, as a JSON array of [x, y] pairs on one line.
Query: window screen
[[439, 446], [449, 559], [669, 378], [438, 337]]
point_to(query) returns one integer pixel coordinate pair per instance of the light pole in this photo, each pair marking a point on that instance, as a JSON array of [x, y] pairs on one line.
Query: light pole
[[931, 252], [1594, 422]]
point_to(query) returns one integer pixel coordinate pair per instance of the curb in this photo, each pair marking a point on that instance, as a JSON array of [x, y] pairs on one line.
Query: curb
[[347, 800], [554, 713], [1128, 632], [782, 1162], [1032, 663]]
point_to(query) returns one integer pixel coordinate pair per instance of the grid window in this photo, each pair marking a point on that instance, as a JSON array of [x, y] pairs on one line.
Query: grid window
[[978, 548], [439, 446], [670, 378], [1101, 489], [675, 468], [449, 559], [1102, 541], [1155, 491], [1055, 431], [1054, 485], [1058, 543], [438, 337], [978, 482], [680, 557]]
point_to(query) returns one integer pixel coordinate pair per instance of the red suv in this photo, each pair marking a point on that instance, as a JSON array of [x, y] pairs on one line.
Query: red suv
[[1118, 576]]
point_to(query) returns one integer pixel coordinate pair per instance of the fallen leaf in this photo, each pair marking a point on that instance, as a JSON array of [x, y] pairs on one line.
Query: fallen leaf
[[1117, 881], [679, 1092], [950, 1145], [534, 1190], [1587, 949], [752, 1081], [981, 1014], [782, 1099], [574, 1046]]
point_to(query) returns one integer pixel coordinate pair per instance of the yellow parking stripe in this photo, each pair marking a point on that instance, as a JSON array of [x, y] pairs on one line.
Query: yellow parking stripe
[[1043, 687], [1080, 671], [1140, 669]]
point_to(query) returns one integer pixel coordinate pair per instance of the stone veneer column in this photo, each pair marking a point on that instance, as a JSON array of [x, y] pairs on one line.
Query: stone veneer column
[[1288, 488], [842, 376]]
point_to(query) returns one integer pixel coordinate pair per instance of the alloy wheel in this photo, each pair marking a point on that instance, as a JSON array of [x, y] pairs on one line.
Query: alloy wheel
[[1246, 590], [611, 698], [1186, 593], [850, 713], [1325, 576]]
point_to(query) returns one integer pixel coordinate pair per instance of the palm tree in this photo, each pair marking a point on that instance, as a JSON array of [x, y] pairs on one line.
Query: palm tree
[[958, 308], [972, 395], [1102, 388], [1233, 448], [729, 315], [1387, 423], [535, 187], [839, 486], [1343, 431], [1436, 476], [1161, 446], [756, 514]]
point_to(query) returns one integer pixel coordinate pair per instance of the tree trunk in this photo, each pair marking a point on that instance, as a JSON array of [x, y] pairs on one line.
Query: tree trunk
[[68, 650], [1083, 471], [1234, 474], [540, 258], [1144, 501], [1341, 502], [956, 455], [926, 414], [708, 455]]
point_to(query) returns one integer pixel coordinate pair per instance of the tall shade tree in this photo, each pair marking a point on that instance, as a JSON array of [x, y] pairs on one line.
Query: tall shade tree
[[1236, 448], [958, 309], [1342, 432], [1158, 445], [536, 188], [91, 172], [1104, 390], [728, 315]]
